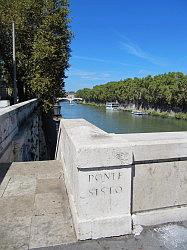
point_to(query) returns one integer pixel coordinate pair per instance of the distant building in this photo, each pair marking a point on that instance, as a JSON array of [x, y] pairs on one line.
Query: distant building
[[70, 94]]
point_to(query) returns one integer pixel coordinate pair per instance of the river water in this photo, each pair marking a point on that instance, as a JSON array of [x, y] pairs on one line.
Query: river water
[[121, 122]]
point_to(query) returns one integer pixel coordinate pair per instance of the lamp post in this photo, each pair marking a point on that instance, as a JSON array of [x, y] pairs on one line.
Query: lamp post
[[57, 109], [15, 91], [57, 115]]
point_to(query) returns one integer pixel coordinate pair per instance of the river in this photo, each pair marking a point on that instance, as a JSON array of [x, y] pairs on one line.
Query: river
[[121, 122]]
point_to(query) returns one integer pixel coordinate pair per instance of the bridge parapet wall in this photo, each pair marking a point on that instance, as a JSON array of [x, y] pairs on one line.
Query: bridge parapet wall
[[116, 182], [11, 119]]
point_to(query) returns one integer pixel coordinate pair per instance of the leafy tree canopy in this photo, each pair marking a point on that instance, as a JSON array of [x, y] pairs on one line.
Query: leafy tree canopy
[[166, 92], [42, 46]]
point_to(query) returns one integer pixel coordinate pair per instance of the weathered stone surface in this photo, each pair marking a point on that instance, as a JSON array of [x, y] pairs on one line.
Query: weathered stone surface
[[10, 120], [14, 232], [103, 202], [111, 183], [106, 182], [48, 203], [156, 146], [49, 185], [163, 237], [36, 169], [159, 185], [20, 185], [104, 193], [20, 228], [98, 179], [160, 216], [17, 206], [50, 230], [34, 212]]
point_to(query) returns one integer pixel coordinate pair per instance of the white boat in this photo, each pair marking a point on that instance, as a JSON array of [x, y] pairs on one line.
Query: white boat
[[112, 106], [137, 112]]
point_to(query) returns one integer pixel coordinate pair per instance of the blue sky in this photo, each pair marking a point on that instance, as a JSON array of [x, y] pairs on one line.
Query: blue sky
[[117, 39]]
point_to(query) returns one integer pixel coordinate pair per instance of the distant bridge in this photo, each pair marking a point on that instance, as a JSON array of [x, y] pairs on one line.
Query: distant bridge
[[69, 98]]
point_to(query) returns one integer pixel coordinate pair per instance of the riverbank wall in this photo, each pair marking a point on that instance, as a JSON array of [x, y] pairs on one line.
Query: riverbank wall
[[116, 182], [149, 111], [21, 133]]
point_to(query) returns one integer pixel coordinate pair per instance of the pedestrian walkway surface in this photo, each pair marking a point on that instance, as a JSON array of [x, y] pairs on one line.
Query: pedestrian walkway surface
[[35, 214], [34, 208]]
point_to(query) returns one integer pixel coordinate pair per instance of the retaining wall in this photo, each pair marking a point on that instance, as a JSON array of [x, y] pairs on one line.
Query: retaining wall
[[115, 182], [19, 132]]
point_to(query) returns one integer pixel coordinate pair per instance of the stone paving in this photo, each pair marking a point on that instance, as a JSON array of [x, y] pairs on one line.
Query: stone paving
[[163, 237], [34, 208], [35, 214]]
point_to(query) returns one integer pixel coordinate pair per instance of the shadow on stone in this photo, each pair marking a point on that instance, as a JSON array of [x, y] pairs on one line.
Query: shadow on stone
[[4, 167]]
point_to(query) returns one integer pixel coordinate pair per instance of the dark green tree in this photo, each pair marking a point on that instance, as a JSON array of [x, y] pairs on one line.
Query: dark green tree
[[165, 92], [42, 46]]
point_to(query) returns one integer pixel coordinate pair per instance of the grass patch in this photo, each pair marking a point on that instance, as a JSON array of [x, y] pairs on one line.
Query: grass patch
[[167, 114]]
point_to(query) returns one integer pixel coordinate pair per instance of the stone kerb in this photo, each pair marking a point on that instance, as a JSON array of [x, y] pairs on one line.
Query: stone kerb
[[10, 119], [98, 178]]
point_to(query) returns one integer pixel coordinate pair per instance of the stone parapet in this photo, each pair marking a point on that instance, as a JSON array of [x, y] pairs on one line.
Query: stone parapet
[[11, 119], [117, 181]]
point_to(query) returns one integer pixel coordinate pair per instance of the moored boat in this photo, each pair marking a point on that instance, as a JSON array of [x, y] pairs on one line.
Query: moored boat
[[137, 112], [112, 106]]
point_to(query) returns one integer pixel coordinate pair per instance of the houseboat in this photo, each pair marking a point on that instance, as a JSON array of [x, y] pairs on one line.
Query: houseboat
[[112, 106]]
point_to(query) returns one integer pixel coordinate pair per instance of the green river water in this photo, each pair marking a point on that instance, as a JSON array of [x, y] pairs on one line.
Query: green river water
[[121, 122]]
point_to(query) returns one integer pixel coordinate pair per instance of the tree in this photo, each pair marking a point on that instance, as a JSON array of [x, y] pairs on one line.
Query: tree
[[1, 69], [166, 92], [42, 46]]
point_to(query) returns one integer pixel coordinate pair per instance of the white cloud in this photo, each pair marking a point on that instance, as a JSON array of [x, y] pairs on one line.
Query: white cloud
[[85, 58], [91, 59], [145, 72], [89, 75], [135, 50]]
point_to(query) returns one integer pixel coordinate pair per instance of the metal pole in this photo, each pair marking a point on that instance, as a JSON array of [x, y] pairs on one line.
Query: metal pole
[[15, 91]]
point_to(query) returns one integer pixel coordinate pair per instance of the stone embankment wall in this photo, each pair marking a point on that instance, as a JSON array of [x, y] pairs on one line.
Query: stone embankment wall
[[116, 182], [21, 135]]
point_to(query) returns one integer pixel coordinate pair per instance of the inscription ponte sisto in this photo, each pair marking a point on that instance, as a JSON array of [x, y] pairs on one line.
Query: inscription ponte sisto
[[103, 177], [105, 183]]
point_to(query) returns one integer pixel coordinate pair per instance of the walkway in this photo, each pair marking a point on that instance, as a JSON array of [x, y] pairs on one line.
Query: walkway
[[34, 208]]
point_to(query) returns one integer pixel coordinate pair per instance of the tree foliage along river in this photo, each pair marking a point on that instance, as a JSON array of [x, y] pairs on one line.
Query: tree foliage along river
[[165, 92], [42, 46]]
